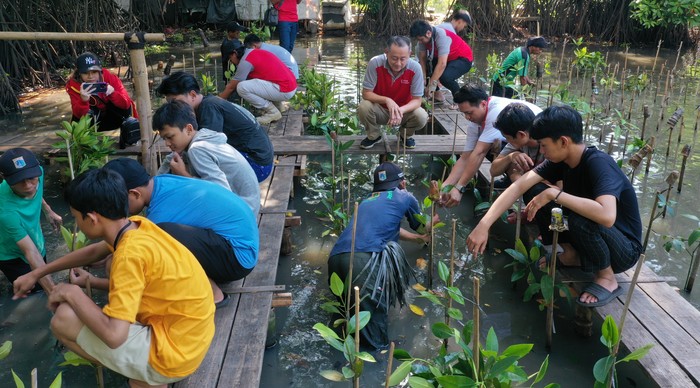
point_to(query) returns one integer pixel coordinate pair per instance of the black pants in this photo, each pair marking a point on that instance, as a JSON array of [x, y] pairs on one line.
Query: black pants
[[15, 268], [453, 70], [499, 90], [109, 119]]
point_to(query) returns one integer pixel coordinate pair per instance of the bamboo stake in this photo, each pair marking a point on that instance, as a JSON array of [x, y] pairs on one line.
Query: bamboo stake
[[671, 180], [658, 82], [349, 181], [518, 217], [678, 55], [454, 142], [432, 248], [692, 271], [658, 47], [389, 362], [557, 226], [356, 378], [35, 378], [624, 145], [651, 143], [194, 65], [672, 123], [352, 258], [561, 58], [646, 114], [686, 153], [475, 333], [450, 280]]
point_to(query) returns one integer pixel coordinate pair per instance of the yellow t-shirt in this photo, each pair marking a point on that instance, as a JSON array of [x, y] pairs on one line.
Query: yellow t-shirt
[[156, 281]]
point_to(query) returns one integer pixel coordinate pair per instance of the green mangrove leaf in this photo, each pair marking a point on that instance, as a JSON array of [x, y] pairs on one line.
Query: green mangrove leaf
[[5, 349], [694, 237], [74, 359], [337, 286], [455, 313], [402, 354], [365, 357], [552, 385], [338, 322], [329, 335], [547, 284], [517, 350], [520, 247], [427, 203], [531, 290], [517, 256], [491, 341], [18, 382], [431, 297], [535, 253], [332, 375], [517, 275], [67, 237], [602, 368], [482, 206], [443, 271], [438, 225], [455, 381], [610, 334], [348, 373], [58, 381], [434, 370], [364, 318], [456, 294], [501, 366], [442, 330], [331, 307], [542, 371], [400, 373], [346, 145], [638, 354], [419, 382]]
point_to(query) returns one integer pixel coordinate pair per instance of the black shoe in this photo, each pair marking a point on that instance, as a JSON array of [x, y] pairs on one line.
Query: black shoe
[[410, 143], [367, 143]]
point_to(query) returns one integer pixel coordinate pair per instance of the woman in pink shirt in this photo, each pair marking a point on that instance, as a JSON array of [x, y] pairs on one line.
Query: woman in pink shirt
[[288, 23]]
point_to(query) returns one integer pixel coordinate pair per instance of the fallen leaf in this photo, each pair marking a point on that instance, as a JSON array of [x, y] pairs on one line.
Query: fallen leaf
[[421, 263], [419, 287], [416, 310]]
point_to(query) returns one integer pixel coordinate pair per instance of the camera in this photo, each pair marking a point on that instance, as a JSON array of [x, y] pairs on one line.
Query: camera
[[98, 87]]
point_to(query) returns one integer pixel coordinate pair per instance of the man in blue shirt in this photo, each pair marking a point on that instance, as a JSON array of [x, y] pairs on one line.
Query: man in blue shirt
[[376, 244], [192, 211]]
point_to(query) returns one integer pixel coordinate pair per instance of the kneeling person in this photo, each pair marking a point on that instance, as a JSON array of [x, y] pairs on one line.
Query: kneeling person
[[159, 322]]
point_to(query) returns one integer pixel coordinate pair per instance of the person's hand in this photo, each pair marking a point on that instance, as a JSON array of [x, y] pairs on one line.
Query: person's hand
[[59, 294], [451, 198], [540, 200], [23, 285], [477, 239], [54, 219], [79, 276], [177, 165], [522, 161], [395, 115], [110, 90], [86, 90]]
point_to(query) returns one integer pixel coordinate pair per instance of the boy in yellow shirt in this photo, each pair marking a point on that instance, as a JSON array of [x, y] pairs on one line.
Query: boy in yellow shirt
[[159, 322]]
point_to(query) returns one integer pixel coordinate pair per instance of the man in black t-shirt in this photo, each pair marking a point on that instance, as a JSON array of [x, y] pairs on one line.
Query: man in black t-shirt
[[605, 227]]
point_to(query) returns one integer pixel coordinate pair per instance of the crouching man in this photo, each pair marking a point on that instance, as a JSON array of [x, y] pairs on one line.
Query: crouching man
[[159, 322]]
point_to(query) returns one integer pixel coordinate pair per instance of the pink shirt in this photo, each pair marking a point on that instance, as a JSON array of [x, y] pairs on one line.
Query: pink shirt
[[288, 11]]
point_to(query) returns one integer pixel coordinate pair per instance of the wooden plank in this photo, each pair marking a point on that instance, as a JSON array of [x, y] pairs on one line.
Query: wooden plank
[[658, 363], [315, 145], [253, 289], [684, 313]]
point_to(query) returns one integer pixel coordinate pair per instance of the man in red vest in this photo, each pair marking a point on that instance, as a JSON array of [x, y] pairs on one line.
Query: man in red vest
[[443, 56], [392, 91]]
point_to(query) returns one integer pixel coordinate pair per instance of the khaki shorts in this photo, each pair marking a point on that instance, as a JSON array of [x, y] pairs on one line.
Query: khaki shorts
[[130, 359]]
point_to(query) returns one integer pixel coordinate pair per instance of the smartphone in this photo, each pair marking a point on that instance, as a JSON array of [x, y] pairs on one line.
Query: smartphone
[[98, 87]]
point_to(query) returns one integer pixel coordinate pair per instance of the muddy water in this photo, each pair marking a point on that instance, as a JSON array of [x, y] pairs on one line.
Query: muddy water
[[300, 354]]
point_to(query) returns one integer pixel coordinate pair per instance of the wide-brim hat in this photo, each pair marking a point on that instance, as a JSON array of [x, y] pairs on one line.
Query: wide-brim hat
[[387, 176], [18, 164]]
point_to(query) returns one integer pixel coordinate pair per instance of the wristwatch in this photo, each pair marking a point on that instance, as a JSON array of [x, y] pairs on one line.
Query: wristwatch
[[462, 189]]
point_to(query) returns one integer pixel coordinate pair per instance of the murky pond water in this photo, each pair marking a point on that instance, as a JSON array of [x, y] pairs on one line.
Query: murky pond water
[[300, 354]]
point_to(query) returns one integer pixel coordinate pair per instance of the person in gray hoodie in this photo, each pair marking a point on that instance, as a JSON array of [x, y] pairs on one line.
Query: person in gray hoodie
[[203, 153]]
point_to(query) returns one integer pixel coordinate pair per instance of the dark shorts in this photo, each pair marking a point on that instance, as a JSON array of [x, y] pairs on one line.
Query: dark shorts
[[261, 172], [214, 253], [15, 268]]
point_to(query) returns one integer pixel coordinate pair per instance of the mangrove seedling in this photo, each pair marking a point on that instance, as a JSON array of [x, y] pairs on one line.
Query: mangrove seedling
[[355, 360], [87, 147], [604, 369], [5, 350], [690, 245]]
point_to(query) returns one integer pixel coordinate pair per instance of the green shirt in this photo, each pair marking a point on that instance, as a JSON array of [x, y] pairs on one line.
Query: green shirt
[[21, 217], [510, 66]]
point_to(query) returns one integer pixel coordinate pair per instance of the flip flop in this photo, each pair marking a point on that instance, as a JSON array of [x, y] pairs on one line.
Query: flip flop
[[604, 296], [223, 302]]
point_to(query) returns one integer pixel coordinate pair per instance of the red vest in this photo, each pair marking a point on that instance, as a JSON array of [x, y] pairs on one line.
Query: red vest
[[398, 90], [268, 67], [458, 48]]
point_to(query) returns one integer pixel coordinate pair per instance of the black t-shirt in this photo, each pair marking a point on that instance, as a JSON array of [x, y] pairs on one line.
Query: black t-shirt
[[597, 174], [242, 130]]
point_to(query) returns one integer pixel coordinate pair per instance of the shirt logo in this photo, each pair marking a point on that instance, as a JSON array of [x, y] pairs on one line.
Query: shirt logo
[[19, 162], [405, 81]]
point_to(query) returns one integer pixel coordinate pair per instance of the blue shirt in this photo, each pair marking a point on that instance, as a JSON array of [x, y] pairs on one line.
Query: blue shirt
[[378, 221], [206, 205]]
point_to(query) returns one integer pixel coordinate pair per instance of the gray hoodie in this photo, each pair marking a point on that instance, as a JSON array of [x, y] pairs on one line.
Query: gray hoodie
[[209, 157]]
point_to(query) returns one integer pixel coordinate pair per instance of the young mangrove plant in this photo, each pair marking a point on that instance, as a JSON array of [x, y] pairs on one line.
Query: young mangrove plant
[[5, 350], [604, 369], [86, 148], [690, 245], [347, 345]]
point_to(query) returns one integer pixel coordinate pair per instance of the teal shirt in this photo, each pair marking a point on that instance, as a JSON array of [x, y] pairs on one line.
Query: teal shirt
[[20, 217], [514, 61]]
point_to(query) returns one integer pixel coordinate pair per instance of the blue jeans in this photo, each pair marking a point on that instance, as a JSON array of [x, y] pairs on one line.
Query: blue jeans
[[288, 34]]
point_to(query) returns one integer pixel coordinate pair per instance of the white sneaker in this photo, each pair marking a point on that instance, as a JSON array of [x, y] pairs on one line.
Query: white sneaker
[[270, 114]]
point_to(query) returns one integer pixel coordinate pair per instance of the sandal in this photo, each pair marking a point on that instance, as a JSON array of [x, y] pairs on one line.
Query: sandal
[[603, 294], [223, 302]]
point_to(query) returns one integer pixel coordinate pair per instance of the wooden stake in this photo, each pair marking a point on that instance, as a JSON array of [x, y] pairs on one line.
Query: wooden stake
[[692, 271], [658, 47], [671, 180], [352, 259], [450, 280], [651, 220], [70, 160], [686, 153], [678, 55], [35, 378], [475, 333], [561, 58], [432, 248], [389, 362], [356, 378], [628, 299], [646, 114], [651, 143]]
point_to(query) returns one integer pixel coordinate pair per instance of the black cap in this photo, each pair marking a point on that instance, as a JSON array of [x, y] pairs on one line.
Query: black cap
[[462, 14], [387, 176], [18, 164], [537, 41], [132, 171], [229, 47], [88, 61], [235, 26]]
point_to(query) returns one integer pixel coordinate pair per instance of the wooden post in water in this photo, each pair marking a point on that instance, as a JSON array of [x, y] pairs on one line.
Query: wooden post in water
[[686, 153], [138, 66], [670, 180], [352, 259], [556, 226], [658, 47], [646, 114], [672, 123], [651, 143], [476, 328], [356, 378], [389, 362], [450, 280], [692, 271], [652, 217]]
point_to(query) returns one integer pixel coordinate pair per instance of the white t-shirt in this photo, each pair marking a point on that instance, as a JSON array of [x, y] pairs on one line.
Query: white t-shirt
[[489, 134]]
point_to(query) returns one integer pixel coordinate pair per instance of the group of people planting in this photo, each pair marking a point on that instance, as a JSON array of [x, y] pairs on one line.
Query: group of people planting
[[544, 160], [164, 268]]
